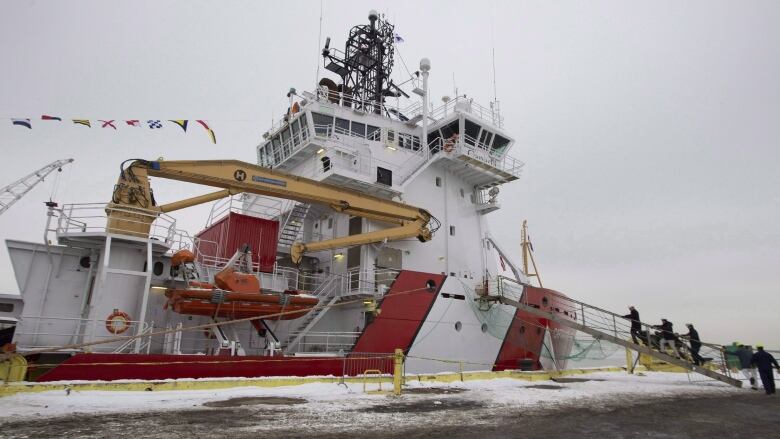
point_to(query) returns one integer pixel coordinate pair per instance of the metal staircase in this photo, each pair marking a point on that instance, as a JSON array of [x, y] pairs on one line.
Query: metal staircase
[[613, 328], [293, 224], [327, 293]]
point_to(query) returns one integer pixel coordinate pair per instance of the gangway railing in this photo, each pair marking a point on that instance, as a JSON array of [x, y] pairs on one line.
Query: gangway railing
[[614, 328]]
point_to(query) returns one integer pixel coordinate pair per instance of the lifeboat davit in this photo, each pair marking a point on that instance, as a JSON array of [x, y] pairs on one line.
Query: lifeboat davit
[[237, 295]]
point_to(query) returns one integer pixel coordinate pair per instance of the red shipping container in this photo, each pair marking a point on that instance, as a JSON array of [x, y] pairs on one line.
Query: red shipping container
[[230, 233]]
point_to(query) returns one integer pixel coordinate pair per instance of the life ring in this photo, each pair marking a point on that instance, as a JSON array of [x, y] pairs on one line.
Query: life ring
[[118, 322], [449, 144]]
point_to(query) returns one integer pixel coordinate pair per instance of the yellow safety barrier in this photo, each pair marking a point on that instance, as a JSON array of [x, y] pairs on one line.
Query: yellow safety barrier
[[13, 369], [369, 372]]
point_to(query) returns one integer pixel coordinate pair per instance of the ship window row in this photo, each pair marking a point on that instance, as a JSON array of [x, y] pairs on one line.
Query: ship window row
[[326, 125], [473, 135], [282, 144]]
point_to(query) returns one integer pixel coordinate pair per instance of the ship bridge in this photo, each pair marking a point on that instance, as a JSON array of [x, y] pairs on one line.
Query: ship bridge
[[328, 137]]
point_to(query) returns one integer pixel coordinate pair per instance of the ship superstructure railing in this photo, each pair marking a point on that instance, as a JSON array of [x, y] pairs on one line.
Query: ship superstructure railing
[[468, 146], [463, 104], [90, 218], [259, 206], [615, 328], [46, 332], [325, 342]]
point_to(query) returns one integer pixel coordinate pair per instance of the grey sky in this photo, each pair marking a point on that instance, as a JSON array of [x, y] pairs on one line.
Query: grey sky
[[650, 131]]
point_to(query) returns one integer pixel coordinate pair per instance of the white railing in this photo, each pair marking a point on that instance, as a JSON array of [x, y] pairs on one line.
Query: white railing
[[349, 101], [470, 147], [54, 332], [465, 105], [246, 204], [83, 218], [322, 342]]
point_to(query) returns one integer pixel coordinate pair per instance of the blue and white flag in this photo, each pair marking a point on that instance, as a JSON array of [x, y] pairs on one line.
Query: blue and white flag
[[22, 122], [154, 124], [397, 38]]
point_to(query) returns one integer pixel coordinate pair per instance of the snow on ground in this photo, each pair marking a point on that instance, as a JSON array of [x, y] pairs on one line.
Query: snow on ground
[[329, 401]]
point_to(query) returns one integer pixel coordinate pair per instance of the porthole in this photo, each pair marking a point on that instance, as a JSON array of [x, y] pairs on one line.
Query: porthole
[[430, 285], [158, 268], [545, 301], [522, 329], [458, 326], [484, 327]]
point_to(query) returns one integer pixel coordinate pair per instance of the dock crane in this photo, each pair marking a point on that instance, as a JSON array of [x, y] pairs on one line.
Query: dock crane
[[133, 208], [16, 190]]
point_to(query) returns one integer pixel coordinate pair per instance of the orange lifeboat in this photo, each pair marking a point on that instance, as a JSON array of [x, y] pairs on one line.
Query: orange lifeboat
[[236, 295]]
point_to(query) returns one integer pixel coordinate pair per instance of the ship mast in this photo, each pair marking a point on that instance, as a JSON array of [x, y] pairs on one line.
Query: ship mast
[[527, 249]]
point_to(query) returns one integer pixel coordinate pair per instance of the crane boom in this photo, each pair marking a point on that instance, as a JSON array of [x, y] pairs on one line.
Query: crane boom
[[133, 199], [16, 190]]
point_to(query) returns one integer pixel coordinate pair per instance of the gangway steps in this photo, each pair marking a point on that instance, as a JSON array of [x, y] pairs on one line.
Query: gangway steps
[[600, 335]]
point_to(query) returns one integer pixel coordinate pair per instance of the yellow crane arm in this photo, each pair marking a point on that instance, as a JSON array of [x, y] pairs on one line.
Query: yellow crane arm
[[133, 209]]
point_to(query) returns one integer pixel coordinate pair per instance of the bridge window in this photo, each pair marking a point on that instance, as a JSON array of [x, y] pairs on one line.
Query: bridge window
[[472, 131], [323, 124], [358, 129], [373, 133], [342, 126], [500, 144], [6, 307]]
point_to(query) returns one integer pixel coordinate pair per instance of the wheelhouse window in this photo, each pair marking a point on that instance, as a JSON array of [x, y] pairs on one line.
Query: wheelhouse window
[[342, 126], [500, 144], [471, 131], [323, 124], [373, 133], [358, 129]]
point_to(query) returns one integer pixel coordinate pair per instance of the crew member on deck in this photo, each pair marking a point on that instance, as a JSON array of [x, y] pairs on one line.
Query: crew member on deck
[[695, 343], [636, 325], [667, 337], [763, 360]]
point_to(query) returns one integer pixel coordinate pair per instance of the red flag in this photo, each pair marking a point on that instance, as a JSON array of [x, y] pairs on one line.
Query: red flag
[[46, 117], [133, 123], [107, 123]]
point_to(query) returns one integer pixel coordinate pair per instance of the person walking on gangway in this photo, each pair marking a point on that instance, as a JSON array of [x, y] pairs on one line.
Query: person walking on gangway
[[666, 332], [763, 360], [745, 355], [694, 342], [636, 324]]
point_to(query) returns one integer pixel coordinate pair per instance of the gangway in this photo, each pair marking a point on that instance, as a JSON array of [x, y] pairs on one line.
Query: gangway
[[608, 326]]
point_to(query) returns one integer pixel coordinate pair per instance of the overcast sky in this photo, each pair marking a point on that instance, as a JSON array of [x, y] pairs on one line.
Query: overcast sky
[[650, 132]]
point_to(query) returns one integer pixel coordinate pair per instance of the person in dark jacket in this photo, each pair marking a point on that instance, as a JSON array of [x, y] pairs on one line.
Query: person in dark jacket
[[745, 355], [695, 343], [763, 360], [636, 325], [666, 332]]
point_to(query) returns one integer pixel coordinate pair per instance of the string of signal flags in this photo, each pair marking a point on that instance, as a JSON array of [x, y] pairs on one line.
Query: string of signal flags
[[152, 124]]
